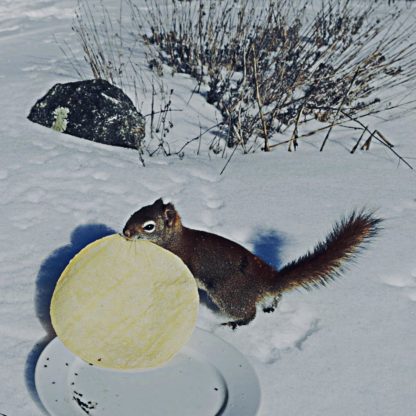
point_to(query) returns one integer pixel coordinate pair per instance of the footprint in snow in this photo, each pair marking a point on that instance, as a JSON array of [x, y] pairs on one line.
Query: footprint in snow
[[270, 335], [205, 176], [44, 145], [101, 176], [211, 204], [210, 219], [214, 203], [26, 220], [406, 282], [35, 195], [204, 181], [178, 179], [412, 295], [399, 280]]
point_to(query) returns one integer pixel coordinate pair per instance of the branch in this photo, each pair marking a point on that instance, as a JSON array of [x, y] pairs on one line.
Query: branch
[[382, 141], [260, 104], [359, 140], [340, 107], [293, 139], [198, 137]]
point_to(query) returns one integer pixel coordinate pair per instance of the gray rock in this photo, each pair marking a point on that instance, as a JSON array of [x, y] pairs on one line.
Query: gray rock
[[94, 110]]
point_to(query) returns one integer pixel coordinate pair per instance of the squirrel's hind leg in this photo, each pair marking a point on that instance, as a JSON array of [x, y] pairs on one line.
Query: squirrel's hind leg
[[269, 303], [244, 318], [238, 305], [240, 322]]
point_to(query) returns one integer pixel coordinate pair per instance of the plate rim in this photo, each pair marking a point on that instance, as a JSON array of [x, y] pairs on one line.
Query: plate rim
[[238, 400]]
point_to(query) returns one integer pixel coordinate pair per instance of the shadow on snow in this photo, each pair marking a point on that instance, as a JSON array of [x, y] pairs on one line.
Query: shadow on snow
[[47, 278], [268, 245]]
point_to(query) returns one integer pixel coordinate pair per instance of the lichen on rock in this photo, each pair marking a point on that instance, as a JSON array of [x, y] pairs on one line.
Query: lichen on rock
[[60, 123]]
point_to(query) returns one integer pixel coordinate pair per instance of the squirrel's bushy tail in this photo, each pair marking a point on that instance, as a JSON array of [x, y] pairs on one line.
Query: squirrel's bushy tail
[[327, 259]]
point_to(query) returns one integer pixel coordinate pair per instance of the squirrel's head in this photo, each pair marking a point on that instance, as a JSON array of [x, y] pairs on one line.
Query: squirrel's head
[[157, 223]]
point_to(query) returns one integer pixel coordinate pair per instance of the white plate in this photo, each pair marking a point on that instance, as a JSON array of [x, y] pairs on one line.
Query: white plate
[[207, 377]]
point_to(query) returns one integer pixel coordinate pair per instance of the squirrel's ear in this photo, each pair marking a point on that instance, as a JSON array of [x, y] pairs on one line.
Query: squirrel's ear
[[169, 214], [158, 204]]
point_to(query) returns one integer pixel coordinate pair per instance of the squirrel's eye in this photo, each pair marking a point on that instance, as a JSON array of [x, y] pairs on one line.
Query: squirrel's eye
[[149, 226]]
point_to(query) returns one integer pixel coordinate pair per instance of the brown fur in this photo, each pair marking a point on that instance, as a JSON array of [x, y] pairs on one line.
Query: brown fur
[[235, 279]]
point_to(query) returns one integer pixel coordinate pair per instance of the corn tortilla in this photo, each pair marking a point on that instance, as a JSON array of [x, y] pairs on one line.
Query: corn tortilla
[[125, 304]]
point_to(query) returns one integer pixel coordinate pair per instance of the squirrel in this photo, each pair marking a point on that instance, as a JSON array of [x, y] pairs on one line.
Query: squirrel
[[238, 281]]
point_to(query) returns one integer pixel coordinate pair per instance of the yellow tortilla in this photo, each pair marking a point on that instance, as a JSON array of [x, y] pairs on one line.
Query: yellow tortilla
[[125, 304]]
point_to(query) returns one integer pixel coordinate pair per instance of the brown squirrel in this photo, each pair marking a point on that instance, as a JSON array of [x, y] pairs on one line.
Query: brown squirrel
[[235, 279]]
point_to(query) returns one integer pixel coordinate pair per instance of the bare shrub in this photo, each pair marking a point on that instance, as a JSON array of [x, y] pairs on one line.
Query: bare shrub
[[272, 66]]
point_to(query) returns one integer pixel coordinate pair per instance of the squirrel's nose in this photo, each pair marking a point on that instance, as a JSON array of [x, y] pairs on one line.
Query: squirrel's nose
[[127, 233]]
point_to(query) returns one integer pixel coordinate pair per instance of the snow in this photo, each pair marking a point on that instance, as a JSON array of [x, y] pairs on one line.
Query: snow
[[341, 350]]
